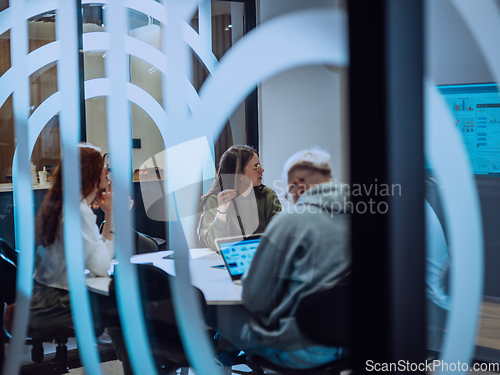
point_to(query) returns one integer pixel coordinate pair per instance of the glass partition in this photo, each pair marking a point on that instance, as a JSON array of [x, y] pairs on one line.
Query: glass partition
[[168, 88], [469, 96]]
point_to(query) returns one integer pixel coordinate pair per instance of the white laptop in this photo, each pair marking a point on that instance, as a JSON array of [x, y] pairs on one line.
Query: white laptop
[[238, 253]]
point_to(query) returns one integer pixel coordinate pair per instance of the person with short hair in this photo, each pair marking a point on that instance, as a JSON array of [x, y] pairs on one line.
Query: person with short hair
[[303, 251]]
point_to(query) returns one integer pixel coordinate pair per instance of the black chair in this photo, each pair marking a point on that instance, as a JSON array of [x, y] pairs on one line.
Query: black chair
[[8, 251], [36, 338], [59, 335], [8, 270], [161, 323], [143, 242], [7, 220], [324, 318]]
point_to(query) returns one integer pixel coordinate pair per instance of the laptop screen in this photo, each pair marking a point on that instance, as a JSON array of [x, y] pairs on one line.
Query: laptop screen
[[238, 255]]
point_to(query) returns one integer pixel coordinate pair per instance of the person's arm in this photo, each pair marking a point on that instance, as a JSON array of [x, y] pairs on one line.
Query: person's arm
[[105, 204], [98, 253], [213, 226]]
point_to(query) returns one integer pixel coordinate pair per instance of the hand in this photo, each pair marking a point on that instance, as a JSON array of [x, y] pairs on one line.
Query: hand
[[224, 199], [105, 200]]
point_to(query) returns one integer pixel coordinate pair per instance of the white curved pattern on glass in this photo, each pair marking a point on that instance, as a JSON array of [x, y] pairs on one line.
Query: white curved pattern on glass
[[150, 8], [269, 49], [40, 117], [43, 56], [31, 9], [4, 20], [484, 24], [120, 148], [101, 87], [462, 213], [296, 39], [38, 7], [98, 41], [198, 348], [206, 56], [331, 34], [68, 83], [22, 193], [6, 85], [35, 61], [204, 40], [93, 88]]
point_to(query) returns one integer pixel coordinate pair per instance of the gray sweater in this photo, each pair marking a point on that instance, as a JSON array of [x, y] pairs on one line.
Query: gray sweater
[[302, 251]]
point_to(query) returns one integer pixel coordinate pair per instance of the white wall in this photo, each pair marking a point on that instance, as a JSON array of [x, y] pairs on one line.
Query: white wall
[[299, 108], [302, 108], [141, 74], [149, 78], [95, 108]]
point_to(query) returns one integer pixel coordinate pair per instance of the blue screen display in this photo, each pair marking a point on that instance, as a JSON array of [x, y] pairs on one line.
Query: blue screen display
[[239, 255], [476, 108]]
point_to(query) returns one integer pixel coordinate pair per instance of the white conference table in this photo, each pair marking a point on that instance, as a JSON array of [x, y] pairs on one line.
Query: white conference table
[[215, 283], [99, 285]]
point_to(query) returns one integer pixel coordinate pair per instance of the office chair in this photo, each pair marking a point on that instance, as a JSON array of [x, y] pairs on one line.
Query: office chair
[[143, 242], [59, 335], [324, 318], [161, 323], [36, 338], [7, 220], [8, 272]]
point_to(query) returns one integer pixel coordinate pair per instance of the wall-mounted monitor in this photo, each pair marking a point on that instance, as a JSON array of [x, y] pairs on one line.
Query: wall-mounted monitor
[[476, 108]]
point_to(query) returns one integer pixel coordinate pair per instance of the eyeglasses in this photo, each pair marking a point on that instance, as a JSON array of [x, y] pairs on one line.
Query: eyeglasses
[[257, 166], [107, 167]]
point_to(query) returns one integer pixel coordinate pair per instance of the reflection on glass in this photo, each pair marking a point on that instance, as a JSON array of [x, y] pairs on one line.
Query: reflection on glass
[[476, 108], [300, 270], [476, 111], [438, 265]]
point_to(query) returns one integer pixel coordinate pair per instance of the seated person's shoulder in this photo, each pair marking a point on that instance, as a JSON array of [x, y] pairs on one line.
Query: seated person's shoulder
[[268, 190], [269, 193]]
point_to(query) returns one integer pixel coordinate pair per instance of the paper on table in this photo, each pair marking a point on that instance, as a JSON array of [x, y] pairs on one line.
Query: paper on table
[[198, 253]]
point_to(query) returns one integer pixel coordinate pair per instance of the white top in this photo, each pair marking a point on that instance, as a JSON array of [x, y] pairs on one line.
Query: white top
[[50, 263]]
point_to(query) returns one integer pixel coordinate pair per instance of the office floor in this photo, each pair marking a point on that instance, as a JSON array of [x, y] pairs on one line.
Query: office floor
[[489, 330], [489, 336], [115, 368]]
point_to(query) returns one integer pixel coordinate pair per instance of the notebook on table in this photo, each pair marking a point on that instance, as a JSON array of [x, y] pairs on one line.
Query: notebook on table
[[238, 253]]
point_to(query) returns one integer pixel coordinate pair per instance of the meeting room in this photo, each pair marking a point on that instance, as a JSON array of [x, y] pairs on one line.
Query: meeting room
[[249, 186]]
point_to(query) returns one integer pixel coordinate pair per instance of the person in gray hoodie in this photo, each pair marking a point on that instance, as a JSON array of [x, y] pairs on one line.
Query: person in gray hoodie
[[302, 251]]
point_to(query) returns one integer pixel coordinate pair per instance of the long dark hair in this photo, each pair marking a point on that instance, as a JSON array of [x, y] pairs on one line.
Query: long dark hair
[[231, 164], [50, 214]]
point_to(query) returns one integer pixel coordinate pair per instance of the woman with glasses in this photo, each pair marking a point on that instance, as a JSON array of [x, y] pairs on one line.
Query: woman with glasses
[[237, 204], [50, 300]]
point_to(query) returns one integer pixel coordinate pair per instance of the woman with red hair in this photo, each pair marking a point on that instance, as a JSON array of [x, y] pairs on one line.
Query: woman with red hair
[[50, 299]]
